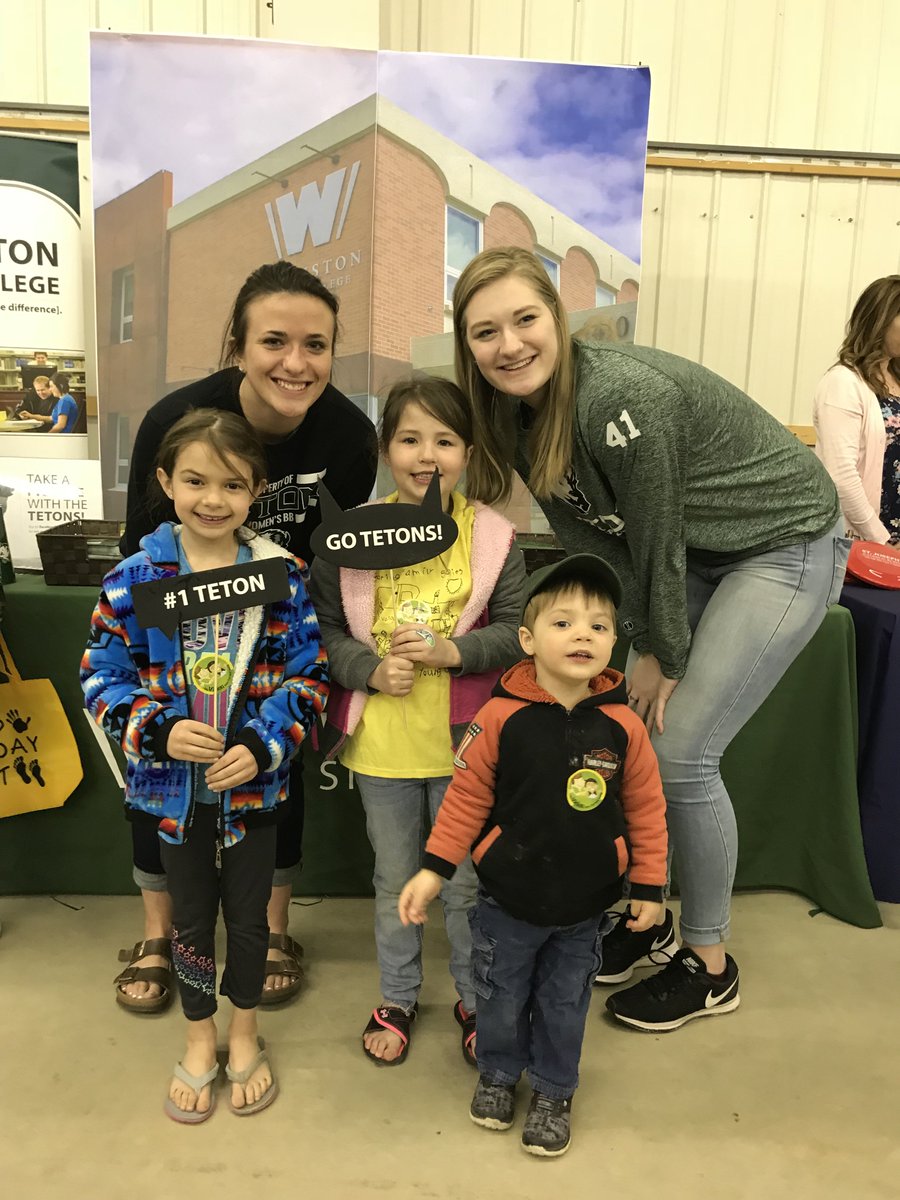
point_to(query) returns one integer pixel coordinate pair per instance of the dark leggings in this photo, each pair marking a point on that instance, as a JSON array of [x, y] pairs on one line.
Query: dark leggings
[[288, 845], [196, 886]]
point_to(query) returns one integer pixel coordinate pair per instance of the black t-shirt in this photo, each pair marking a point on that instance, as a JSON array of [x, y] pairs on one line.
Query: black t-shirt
[[336, 442]]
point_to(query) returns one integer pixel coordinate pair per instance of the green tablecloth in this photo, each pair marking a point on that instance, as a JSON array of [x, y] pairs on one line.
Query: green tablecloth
[[791, 774]]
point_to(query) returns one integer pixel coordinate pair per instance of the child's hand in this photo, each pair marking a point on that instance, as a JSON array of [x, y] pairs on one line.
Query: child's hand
[[644, 913], [418, 643], [394, 676], [417, 895], [232, 769], [192, 741]]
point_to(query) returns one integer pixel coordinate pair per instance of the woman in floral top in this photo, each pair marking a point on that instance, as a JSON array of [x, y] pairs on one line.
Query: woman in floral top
[[857, 416]]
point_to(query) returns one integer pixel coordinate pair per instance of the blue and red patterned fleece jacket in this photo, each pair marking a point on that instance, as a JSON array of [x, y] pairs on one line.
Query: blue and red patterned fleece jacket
[[134, 687]]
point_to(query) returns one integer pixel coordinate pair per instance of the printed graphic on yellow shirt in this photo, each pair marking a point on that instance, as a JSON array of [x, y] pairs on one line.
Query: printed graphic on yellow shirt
[[585, 790], [410, 738]]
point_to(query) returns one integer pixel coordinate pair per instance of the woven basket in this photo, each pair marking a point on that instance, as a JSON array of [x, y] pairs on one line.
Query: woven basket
[[80, 553], [539, 550]]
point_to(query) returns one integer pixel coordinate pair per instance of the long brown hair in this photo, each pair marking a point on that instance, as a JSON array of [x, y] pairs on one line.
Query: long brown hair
[[863, 346], [490, 469]]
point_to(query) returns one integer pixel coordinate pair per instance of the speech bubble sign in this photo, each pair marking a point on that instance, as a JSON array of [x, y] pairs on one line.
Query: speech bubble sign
[[379, 537], [163, 603]]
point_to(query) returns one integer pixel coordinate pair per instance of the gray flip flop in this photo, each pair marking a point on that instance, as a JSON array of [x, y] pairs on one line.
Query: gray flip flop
[[197, 1082], [243, 1077]]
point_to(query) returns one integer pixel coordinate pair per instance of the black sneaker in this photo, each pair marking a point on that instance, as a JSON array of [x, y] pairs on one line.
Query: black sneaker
[[493, 1105], [679, 993], [624, 950], [547, 1130]]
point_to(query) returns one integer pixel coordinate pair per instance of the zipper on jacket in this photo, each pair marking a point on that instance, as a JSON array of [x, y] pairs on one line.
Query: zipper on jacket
[[240, 701], [192, 802]]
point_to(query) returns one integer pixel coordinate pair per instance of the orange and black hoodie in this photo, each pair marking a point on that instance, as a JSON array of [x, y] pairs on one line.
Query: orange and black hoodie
[[545, 849]]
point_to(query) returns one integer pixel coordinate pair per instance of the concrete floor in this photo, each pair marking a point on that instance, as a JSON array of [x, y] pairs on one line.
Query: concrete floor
[[792, 1096]]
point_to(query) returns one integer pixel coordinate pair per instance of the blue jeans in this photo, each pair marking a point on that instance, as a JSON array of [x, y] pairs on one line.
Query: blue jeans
[[534, 989], [399, 815], [749, 621]]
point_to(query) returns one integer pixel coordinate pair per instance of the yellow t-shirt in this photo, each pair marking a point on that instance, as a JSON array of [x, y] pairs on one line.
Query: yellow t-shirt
[[409, 737]]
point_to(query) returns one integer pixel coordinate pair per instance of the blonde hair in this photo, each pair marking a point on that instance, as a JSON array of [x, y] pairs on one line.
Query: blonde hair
[[490, 469], [863, 346]]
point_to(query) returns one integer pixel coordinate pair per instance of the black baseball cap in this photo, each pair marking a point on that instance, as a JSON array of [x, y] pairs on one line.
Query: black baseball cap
[[577, 568]]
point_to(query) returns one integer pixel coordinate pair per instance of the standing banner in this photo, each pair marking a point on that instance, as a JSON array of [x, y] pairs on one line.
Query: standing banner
[[41, 295], [44, 457]]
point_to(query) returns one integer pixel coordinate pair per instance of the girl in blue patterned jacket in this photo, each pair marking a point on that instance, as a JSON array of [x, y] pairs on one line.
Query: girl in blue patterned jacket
[[209, 719]]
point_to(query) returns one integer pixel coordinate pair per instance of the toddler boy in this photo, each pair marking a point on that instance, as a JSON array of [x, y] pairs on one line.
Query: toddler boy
[[550, 854]]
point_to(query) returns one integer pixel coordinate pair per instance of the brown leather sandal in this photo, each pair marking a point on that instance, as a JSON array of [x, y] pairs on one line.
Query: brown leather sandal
[[163, 977], [288, 964]]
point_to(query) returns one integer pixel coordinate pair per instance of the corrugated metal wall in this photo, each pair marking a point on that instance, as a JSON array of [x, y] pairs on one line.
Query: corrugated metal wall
[[751, 271]]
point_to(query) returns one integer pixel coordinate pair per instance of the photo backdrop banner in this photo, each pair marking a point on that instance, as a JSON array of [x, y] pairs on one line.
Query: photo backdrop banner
[[382, 173], [41, 298]]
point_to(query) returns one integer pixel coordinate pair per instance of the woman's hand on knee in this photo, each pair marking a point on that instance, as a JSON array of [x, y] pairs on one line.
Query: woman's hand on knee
[[649, 691]]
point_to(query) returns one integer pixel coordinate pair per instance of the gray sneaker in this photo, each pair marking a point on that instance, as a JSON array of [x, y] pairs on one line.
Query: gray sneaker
[[493, 1105], [547, 1130]]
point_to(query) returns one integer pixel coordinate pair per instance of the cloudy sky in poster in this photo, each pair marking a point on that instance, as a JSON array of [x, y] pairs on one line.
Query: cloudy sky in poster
[[201, 108], [574, 135]]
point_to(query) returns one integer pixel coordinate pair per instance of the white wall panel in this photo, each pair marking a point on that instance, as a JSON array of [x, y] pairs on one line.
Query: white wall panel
[[799, 37], [602, 31], [231, 18], [400, 25], [747, 74], [700, 37], [681, 295], [886, 102], [851, 34], [824, 292], [22, 66], [497, 27], [776, 325], [877, 234], [67, 24], [730, 293], [177, 16], [348, 23], [653, 232], [124, 16], [653, 34], [445, 26], [549, 32]]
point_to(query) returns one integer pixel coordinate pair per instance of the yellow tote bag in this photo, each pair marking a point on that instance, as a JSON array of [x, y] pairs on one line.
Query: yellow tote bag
[[39, 762]]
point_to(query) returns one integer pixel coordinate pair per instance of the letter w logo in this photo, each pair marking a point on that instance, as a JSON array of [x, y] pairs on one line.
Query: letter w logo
[[312, 211]]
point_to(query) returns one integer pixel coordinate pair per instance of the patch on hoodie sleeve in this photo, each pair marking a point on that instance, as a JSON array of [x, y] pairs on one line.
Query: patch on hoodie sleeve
[[468, 738]]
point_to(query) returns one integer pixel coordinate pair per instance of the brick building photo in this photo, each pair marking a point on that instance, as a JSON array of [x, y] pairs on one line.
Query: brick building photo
[[384, 208]]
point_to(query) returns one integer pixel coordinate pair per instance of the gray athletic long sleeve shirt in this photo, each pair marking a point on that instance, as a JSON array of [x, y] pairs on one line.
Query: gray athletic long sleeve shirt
[[671, 461]]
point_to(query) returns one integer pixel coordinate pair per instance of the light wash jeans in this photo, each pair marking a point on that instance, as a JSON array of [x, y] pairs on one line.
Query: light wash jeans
[[399, 815], [749, 620]]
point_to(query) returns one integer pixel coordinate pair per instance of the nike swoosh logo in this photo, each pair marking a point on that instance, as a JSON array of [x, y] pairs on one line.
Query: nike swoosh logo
[[712, 999], [660, 943]]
